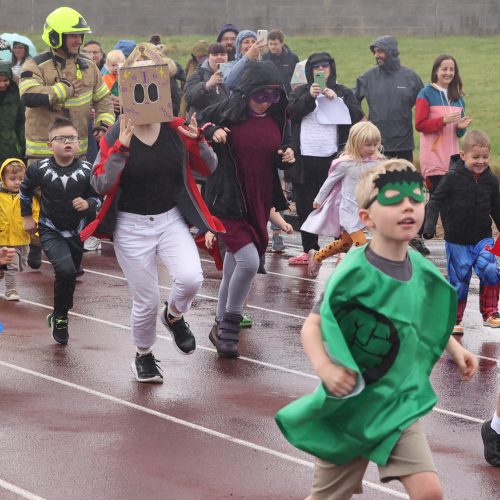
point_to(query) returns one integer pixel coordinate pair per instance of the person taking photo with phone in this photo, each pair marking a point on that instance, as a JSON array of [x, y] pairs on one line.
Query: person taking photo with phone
[[316, 144]]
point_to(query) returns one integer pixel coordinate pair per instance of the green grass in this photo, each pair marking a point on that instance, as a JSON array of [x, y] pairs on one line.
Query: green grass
[[475, 56]]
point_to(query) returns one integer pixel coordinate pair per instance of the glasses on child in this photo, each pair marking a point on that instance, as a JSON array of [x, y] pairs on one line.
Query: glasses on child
[[321, 65], [65, 138], [266, 96]]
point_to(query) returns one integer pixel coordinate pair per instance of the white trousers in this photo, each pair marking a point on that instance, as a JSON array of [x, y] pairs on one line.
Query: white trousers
[[139, 239]]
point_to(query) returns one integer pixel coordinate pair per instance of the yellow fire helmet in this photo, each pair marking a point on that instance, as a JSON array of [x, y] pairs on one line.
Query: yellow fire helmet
[[62, 21]]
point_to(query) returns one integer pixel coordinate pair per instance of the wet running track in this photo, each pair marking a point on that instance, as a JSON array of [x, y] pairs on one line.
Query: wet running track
[[75, 425]]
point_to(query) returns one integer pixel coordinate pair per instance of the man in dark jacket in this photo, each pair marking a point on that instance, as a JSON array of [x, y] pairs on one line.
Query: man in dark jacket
[[279, 53], [317, 143], [391, 92]]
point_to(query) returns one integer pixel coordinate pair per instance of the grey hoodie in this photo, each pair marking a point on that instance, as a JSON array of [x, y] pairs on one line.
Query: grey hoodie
[[390, 91]]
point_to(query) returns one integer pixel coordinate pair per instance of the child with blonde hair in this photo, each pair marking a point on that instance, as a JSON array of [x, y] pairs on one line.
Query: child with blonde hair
[[383, 308], [12, 233], [336, 208], [114, 59]]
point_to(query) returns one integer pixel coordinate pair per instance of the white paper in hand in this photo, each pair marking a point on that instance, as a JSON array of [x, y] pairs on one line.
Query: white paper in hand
[[332, 111]]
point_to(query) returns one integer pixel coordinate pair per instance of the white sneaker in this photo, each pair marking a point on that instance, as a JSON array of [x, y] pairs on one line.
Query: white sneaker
[[11, 295], [92, 244]]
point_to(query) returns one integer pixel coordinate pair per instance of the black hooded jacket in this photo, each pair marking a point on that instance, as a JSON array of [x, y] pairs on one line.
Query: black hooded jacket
[[302, 103], [469, 203], [223, 193]]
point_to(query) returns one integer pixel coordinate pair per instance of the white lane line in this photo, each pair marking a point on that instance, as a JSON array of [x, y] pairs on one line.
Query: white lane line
[[185, 423], [243, 358], [19, 491]]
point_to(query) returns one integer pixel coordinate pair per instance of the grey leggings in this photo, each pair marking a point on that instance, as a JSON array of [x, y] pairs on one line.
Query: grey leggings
[[239, 271]]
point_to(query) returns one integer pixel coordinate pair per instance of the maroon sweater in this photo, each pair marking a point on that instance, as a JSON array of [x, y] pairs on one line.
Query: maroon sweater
[[253, 144]]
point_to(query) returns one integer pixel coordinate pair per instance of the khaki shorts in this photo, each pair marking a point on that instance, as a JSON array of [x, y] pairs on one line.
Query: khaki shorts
[[410, 455]]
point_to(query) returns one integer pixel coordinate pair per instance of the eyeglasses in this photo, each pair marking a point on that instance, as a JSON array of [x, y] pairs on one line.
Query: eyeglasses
[[266, 96], [65, 138], [320, 65]]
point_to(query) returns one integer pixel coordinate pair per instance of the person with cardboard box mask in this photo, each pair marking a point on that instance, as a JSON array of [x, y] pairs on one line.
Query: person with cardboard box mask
[[145, 170]]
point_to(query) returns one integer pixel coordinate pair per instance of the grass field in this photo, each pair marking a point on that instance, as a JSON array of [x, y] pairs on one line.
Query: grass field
[[475, 57]]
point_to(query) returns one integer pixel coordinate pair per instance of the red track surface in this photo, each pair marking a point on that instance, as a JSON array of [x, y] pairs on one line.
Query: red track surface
[[75, 425]]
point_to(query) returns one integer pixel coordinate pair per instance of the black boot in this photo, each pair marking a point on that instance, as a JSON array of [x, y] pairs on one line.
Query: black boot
[[227, 335]]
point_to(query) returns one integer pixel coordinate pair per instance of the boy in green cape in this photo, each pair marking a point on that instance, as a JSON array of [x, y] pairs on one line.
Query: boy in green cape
[[385, 319]]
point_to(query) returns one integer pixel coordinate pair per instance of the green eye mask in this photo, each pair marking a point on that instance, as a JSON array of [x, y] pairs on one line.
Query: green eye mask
[[395, 186], [394, 193]]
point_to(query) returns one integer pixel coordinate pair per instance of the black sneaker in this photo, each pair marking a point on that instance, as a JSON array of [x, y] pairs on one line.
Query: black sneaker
[[182, 336], [59, 327], [491, 442], [145, 369], [419, 245], [35, 256]]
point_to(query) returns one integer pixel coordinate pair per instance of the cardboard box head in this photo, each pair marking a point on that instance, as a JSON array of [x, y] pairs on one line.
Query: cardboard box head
[[144, 86]]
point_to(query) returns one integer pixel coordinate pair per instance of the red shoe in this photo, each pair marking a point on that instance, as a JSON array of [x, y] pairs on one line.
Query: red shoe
[[299, 260]]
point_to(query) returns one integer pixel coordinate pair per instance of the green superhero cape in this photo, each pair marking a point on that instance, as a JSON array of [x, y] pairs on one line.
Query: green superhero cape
[[391, 333]]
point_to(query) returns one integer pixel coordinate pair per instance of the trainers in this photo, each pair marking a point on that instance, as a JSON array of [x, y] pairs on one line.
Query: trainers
[[35, 256], [491, 442], [313, 267], [145, 369], [11, 295], [92, 244], [492, 321], [246, 322], [419, 245], [59, 327], [458, 329], [182, 336], [299, 260], [278, 245]]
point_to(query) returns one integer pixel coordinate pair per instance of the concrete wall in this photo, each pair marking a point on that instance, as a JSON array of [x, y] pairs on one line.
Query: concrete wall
[[295, 17]]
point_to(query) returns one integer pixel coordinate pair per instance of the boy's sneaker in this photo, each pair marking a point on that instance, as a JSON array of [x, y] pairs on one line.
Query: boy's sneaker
[[59, 327], [313, 267], [491, 442], [145, 369], [182, 336], [11, 295], [492, 321], [92, 244], [35, 256], [299, 260], [419, 245], [246, 322], [278, 244], [458, 329]]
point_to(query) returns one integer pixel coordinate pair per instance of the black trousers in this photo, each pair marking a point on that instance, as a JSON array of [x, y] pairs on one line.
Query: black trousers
[[65, 255], [315, 173]]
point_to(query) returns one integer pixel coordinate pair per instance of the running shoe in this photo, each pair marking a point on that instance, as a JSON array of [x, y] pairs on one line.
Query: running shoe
[[12, 295], [145, 369], [492, 321], [313, 267], [458, 329], [246, 322], [59, 328], [491, 441], [180, 332], [92, 244], [299, 260], [419, 245]]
